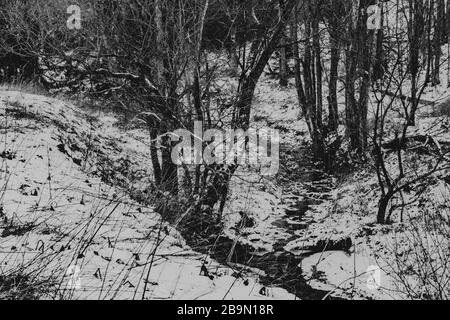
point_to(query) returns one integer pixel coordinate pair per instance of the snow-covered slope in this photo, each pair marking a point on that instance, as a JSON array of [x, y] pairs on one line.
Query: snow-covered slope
[[348, 211], [68, 227]]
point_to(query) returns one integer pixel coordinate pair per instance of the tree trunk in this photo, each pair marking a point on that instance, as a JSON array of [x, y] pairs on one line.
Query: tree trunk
[[333, 111], [154, 156], [379, 64], [415, 35], [298, 78], [168, 87], [359, 53], [284, 80], [169, 172], [234, 57], [438, 37], [317, 66], [383, 207], [312, 71]]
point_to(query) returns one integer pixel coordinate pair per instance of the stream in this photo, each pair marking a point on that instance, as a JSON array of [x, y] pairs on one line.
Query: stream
[[304, 186]]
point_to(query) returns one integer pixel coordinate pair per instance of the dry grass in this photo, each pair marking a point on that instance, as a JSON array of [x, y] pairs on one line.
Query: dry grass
[[30, 87], [22, 286]]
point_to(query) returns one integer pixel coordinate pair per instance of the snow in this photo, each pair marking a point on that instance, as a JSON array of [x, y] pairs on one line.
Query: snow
[[349, 212], [64, 224], [77, 205]]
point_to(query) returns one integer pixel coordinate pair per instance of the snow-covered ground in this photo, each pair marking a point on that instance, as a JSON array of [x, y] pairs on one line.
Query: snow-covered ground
[[388, 253], [67, 229]]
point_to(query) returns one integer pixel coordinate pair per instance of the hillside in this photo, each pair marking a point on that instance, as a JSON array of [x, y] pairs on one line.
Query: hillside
[[67, 214]]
